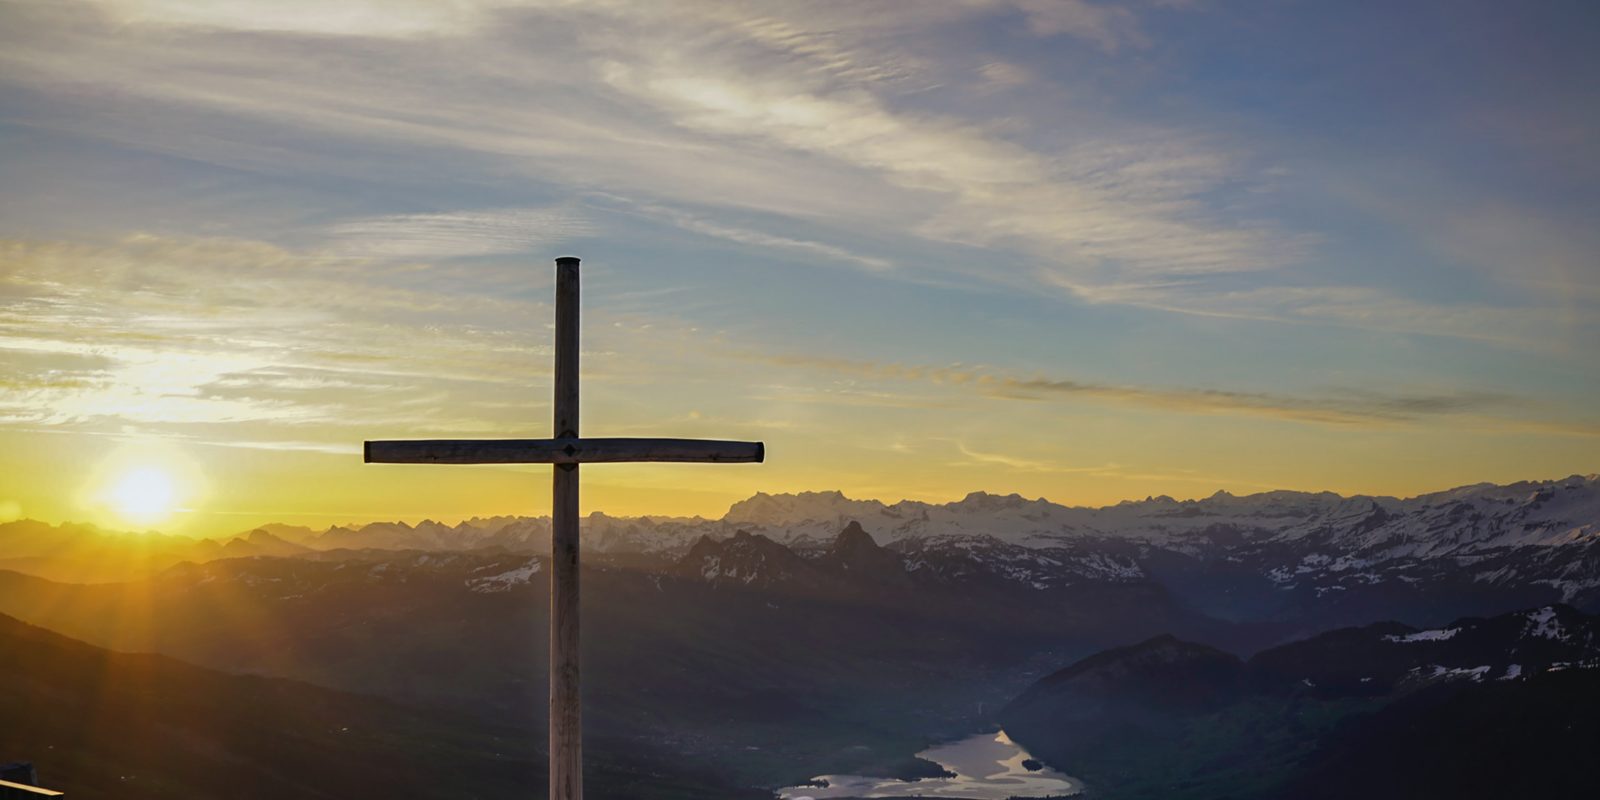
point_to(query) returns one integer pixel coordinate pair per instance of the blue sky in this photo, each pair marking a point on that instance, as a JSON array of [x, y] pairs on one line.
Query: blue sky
[[1086, 250]]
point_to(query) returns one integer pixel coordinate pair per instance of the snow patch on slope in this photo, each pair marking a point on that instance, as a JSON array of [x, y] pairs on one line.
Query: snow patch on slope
[[1425, 636], [505, 581], [1542, 623]]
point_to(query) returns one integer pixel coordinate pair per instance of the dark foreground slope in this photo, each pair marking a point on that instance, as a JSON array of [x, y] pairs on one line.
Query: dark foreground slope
[[101, 724], [1507, 706], [1493, 740], [742, 656]]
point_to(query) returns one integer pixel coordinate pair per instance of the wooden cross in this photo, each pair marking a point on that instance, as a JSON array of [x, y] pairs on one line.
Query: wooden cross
[[566, 451]]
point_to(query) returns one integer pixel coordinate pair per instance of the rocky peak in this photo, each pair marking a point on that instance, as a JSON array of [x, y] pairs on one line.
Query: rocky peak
[[703, 547], [785, 509], [261, 542], [261, 536], [854, 539], [855, 552], [984, 501], [745, 558]]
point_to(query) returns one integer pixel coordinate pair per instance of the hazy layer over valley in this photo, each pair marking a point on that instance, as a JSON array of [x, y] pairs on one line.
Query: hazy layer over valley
[[812, 634]]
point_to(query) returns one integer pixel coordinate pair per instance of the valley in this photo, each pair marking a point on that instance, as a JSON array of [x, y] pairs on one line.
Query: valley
[[811, 634]]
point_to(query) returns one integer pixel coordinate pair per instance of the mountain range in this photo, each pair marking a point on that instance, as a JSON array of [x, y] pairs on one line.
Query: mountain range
[[813, 633], [1274, 556], [1506, 706]]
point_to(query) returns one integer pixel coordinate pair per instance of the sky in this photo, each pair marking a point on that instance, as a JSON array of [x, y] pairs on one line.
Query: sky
[[1089, 251]]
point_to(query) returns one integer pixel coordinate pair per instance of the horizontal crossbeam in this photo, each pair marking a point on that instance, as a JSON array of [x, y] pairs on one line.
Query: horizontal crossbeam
[[561, 451]]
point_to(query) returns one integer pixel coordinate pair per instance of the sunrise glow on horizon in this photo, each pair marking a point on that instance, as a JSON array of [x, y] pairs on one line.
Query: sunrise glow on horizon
[[1071, 250]]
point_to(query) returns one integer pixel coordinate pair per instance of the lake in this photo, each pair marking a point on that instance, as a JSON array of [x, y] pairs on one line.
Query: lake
[[987, 766]]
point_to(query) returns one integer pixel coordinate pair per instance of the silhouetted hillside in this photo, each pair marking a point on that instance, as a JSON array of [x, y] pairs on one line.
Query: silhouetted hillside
[[815, 663], [1482, 708], [100, 724], [1493, 740]]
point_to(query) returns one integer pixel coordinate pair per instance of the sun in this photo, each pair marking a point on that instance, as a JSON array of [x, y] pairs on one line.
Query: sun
[[143, 494], [142, 485]]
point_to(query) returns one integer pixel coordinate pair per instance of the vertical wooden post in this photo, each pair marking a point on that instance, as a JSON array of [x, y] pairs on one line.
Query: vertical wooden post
[[566, 725], [565, 450]]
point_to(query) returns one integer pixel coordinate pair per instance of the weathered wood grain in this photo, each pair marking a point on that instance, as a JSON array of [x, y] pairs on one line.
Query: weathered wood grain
[[566, 710], [562, 451]]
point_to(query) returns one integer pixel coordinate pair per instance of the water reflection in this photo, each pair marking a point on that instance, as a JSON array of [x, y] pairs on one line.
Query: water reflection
[[987, 766]]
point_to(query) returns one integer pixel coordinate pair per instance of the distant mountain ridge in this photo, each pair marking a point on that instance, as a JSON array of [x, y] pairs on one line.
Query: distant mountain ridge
[[1274, 556], [1527, 512]]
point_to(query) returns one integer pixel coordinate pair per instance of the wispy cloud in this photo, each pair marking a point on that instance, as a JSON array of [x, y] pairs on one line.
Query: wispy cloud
[[382, 18], [1543, 327], [462, 233], [1341, 407], [189, 336], [1111, 26], [1348, 407], [697, 224], [843, 122], [1021, 463], [1129, 202], [808, 111]]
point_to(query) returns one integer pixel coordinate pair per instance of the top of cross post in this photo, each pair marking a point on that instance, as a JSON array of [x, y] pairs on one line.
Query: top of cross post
[[565, 260]]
